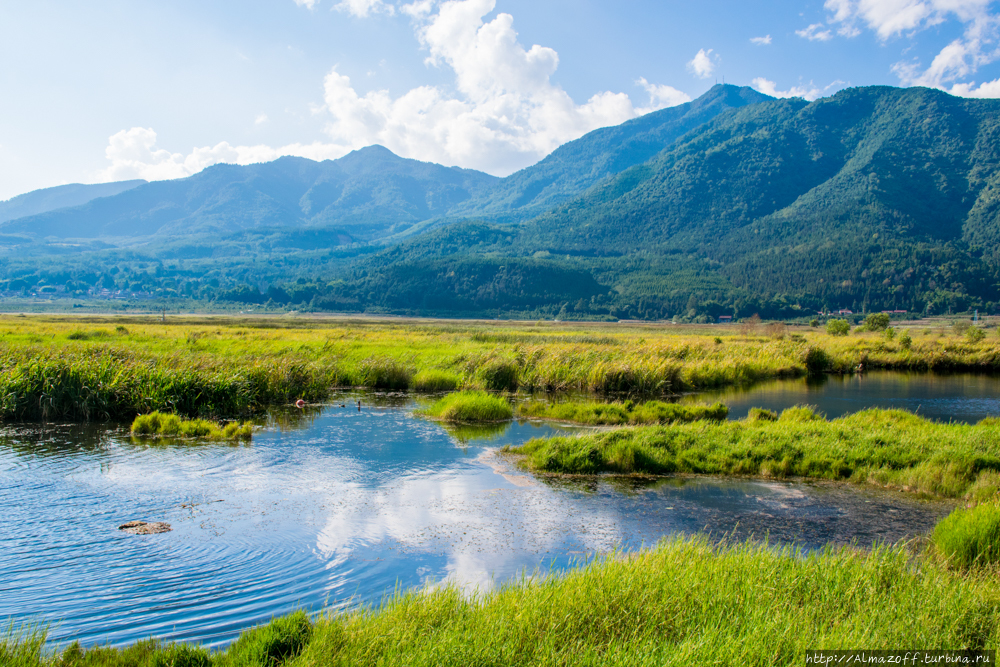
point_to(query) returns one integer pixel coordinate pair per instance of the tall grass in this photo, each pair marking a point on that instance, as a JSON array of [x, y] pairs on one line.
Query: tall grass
[[885, 447], [470, 406], [74, 369], [685, 601], [617, 414], [970, 537]]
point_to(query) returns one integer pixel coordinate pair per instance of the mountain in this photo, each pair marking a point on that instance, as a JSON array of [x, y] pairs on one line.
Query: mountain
[[366, 194], [61, 196], [577, 165]]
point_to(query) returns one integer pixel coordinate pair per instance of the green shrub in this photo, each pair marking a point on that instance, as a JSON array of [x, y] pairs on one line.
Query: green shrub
[[960, 327], [470, 406], [435, 380], [817, 360], [762, 415], [889, 333], [270, 645], [877, 322], [799, 413], [838, 327], [969, 537], [814, 323], [905, 341], [975, 334]]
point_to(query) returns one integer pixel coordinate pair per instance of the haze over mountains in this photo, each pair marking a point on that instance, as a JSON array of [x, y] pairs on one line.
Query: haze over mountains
[[731, 204]]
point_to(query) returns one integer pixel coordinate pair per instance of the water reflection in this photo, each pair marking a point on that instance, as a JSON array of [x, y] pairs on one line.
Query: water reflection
[[336, 506]]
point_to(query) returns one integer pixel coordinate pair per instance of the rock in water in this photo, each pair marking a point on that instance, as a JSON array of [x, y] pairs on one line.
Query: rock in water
[[144, 527]]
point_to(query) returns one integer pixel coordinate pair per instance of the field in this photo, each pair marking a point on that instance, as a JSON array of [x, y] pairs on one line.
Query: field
[[107, 368]]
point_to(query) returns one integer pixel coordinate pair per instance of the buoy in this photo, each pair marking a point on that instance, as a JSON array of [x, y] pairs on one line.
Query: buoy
[[300, 403]]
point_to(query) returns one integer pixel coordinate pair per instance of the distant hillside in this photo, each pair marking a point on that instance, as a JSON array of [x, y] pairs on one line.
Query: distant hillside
[[579, 164], [366, 194], [61, 196]]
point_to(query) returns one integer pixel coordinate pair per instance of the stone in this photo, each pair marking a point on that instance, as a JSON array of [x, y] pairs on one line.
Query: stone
[[145, 527]]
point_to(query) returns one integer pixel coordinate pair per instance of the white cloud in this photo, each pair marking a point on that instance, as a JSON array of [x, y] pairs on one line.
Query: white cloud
[[986, 89], [770, 88], [815, 33], [260, 119], [362, 8], [703, 64], [502, 114], [661, 97], [761, 41], [892, 18], [308, 4]]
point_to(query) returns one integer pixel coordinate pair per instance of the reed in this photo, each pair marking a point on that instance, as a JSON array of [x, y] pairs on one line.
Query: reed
[[101, 369], [890, 448], [686, 601], [970, 537], [470, 407]]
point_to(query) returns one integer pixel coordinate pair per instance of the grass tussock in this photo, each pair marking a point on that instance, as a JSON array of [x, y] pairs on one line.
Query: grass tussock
[[619, 414], [890, 448], [970, 537], [159, 424], [682, 602], [470, 406], [433, 379]]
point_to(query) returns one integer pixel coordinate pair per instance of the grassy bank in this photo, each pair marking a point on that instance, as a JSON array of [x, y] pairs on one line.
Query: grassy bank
[[618, 414], [114, 368], [683, 602], [885, 447]]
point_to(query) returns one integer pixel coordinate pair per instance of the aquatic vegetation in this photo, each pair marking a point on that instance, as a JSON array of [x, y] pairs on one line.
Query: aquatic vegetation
[[159, 424], [685, 601], [889, 448], [88, 369], [470, 406], [970, 536], [432, 379], [617, 414]]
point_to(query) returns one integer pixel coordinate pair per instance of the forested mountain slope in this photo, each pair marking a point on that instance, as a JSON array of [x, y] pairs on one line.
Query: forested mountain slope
[[61, 196]]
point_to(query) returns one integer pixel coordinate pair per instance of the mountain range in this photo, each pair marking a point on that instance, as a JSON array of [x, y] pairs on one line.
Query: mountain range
[[733, 203]]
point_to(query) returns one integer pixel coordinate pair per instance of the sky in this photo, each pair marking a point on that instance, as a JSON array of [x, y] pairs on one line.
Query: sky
[[112, 90]]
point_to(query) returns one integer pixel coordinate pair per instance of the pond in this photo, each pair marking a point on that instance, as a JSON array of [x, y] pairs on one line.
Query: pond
[[336, 508], [957, 397]]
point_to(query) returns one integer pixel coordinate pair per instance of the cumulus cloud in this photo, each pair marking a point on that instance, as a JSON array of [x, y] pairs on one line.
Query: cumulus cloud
[[892, 18], [362, 8], [703, 64], [771, 88], [661, 96], [987, 89], [308, 4], [761, 41], [815, 33], [503, 112]]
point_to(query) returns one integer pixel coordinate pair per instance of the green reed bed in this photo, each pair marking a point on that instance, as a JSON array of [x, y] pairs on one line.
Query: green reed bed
[[159, 424], [470, 406], [683, 602], [885, 447], [621, 413], [100, 369]]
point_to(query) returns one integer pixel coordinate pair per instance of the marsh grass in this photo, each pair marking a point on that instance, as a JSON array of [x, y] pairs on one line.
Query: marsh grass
[[470, 407], [970, 537], [86, 369], [889, 448], [159, 424], [686, 601], [618, 414]]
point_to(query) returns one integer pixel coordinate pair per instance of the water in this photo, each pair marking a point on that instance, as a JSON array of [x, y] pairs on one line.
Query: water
[[958, 398], [337, 508]]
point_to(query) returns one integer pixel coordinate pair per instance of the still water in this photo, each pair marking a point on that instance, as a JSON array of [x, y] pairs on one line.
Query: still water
[[338, 507]]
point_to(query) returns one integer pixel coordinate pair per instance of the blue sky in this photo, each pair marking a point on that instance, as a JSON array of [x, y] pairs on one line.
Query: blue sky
[[110, 90]]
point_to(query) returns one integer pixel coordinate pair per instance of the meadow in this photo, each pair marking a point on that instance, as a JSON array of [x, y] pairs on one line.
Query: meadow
[[685, 601], [107, 368]]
